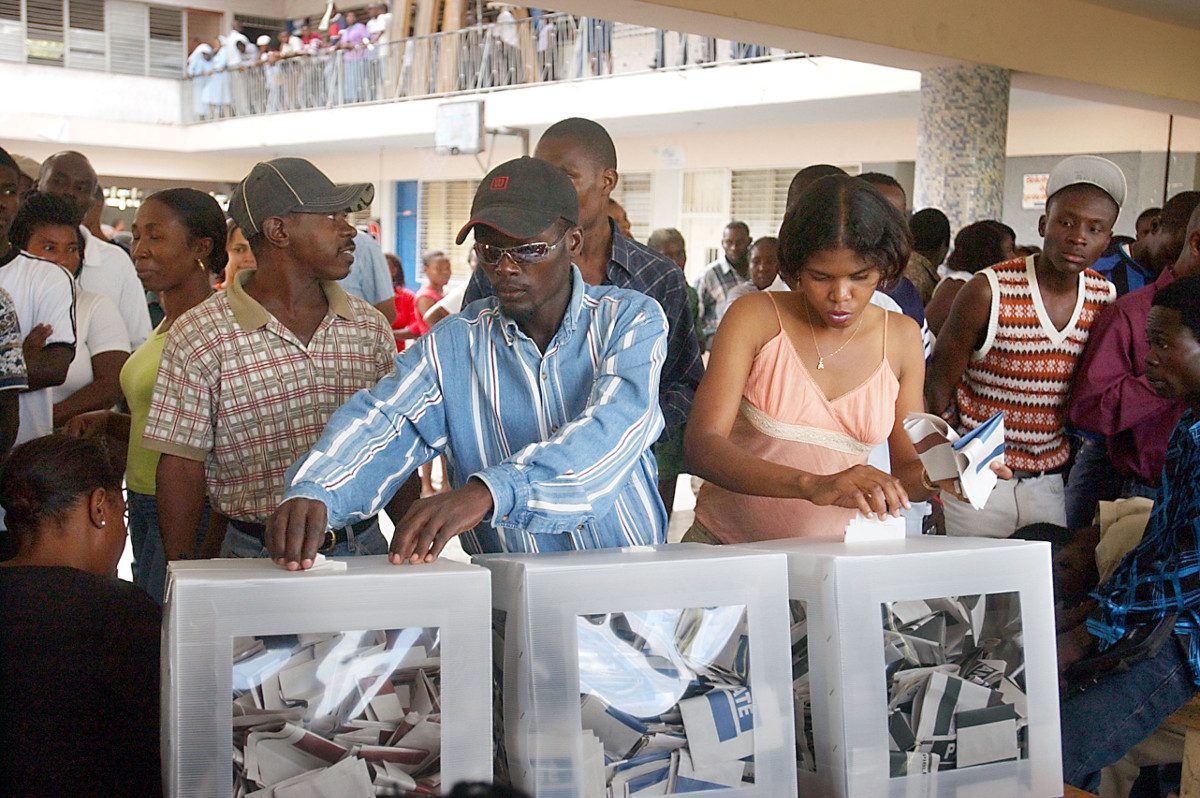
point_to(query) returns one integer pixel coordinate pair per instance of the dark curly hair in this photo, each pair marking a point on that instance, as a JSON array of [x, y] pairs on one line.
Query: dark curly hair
[[202, 217], [42, 209], [839, 212], [978, 246], [43, 478]]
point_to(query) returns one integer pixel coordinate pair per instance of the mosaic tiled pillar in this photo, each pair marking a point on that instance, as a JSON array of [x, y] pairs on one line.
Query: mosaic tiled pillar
[[961, 143]]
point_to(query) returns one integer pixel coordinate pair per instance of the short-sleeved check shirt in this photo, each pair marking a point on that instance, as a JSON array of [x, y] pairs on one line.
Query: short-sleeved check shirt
[[239, 391]]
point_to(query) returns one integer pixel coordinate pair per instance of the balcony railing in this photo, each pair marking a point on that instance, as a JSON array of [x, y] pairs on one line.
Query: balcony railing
[[543, 49]]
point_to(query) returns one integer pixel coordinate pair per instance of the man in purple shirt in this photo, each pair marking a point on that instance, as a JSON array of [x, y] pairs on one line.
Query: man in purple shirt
[[1125, 424]]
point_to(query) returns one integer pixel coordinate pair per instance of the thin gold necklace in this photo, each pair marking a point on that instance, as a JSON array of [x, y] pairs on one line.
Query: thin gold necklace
[[813, 332]]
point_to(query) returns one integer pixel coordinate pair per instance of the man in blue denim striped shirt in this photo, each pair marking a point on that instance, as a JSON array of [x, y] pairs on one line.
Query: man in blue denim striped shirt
[[543, 397]]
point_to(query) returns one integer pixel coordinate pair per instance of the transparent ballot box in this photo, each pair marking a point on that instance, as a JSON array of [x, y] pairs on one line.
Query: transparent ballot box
[[364, 679], [923, 666], [648, 671]]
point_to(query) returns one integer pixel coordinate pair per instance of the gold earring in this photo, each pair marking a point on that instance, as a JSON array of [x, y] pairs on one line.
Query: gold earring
[[200, 263]]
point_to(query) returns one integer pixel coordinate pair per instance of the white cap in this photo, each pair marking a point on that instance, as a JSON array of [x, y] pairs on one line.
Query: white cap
[[263, 41], [1091, 170]]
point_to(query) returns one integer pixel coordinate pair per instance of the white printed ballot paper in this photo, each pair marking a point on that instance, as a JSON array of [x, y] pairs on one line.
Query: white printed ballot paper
[[363, 679], [923, 666], [636, 672], [720, 724], [968, 458]]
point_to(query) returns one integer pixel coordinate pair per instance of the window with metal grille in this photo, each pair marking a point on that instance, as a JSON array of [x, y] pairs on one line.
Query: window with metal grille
[[127, 40], [85, 35], [636, 196], [167, 53], [12, 31], [703, 215], [270, 23], [758, 197], [443, 208], [44, 40]]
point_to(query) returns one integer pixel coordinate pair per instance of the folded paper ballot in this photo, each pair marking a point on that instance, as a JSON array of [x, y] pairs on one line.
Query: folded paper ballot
[[665, 694], [946, 455], [861, 529], [342, 714], [956, 694]]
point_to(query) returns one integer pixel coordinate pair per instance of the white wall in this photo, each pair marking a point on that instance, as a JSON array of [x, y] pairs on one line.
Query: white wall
[[53, 94], [779, 114]]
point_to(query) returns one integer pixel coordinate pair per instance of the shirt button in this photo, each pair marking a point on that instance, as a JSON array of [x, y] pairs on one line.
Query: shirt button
[[554, 428], [579, 528], [544, 377]]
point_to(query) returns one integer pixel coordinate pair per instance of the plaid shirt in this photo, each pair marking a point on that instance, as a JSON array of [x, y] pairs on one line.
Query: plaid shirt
[[641, 269], [239, 391], [714, 285], [1162, 573]]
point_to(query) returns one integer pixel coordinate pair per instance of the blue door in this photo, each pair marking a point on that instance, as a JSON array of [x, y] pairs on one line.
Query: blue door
[[406, 230]]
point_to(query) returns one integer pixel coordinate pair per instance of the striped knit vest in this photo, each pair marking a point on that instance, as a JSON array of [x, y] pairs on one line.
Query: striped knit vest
[[1026, 366]]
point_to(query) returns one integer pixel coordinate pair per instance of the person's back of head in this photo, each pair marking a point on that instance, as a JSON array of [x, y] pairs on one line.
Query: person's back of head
[[931, 234], [1161, 247], [839, 212], [977, 246], [396, 268], [588, 134], [889, 187], [806, 177], [669, 242], [662, 236], [43, 484]]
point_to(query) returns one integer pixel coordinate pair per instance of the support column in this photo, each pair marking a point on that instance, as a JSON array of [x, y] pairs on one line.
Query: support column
[[961, 143]]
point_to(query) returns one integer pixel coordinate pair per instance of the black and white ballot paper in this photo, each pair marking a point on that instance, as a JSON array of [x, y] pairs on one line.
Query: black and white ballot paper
[[665, 701], [342, 714], [955, 682]]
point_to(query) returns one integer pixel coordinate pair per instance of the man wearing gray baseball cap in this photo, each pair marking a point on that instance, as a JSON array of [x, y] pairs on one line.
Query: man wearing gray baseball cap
[[1012, 343], [249, 377], [543, 397]]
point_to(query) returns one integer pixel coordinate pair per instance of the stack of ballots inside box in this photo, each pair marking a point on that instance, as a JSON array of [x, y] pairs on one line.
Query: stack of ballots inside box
[[956, 682], [347, 713], [647, 671], [924, 665], [370, 679]]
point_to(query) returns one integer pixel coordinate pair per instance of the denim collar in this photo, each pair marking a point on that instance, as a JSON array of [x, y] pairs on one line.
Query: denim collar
[[570, 321]]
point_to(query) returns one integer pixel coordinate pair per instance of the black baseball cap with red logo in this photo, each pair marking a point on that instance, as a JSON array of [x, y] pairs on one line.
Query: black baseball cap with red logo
[[521, 198]]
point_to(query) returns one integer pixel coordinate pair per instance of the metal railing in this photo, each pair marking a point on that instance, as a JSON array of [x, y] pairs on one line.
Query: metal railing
[[543, 49]]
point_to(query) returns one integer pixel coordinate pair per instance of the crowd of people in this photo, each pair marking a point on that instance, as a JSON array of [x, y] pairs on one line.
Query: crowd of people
[[348, 57], [292, 389]]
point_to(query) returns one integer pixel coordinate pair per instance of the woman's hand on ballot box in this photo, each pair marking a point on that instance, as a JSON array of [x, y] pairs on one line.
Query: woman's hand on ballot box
[[865, 488]]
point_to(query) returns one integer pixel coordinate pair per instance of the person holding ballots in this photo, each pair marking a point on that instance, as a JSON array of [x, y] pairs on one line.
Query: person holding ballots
[[543, 398]]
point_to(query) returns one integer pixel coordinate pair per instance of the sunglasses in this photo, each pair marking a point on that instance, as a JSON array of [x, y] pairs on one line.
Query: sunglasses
[[522, 254]]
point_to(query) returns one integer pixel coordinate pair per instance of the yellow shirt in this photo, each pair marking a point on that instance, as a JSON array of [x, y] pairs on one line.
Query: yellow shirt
[[137, 383]]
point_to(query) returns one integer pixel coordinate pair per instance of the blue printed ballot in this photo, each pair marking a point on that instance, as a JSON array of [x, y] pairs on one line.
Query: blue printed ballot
[[967, 458]]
